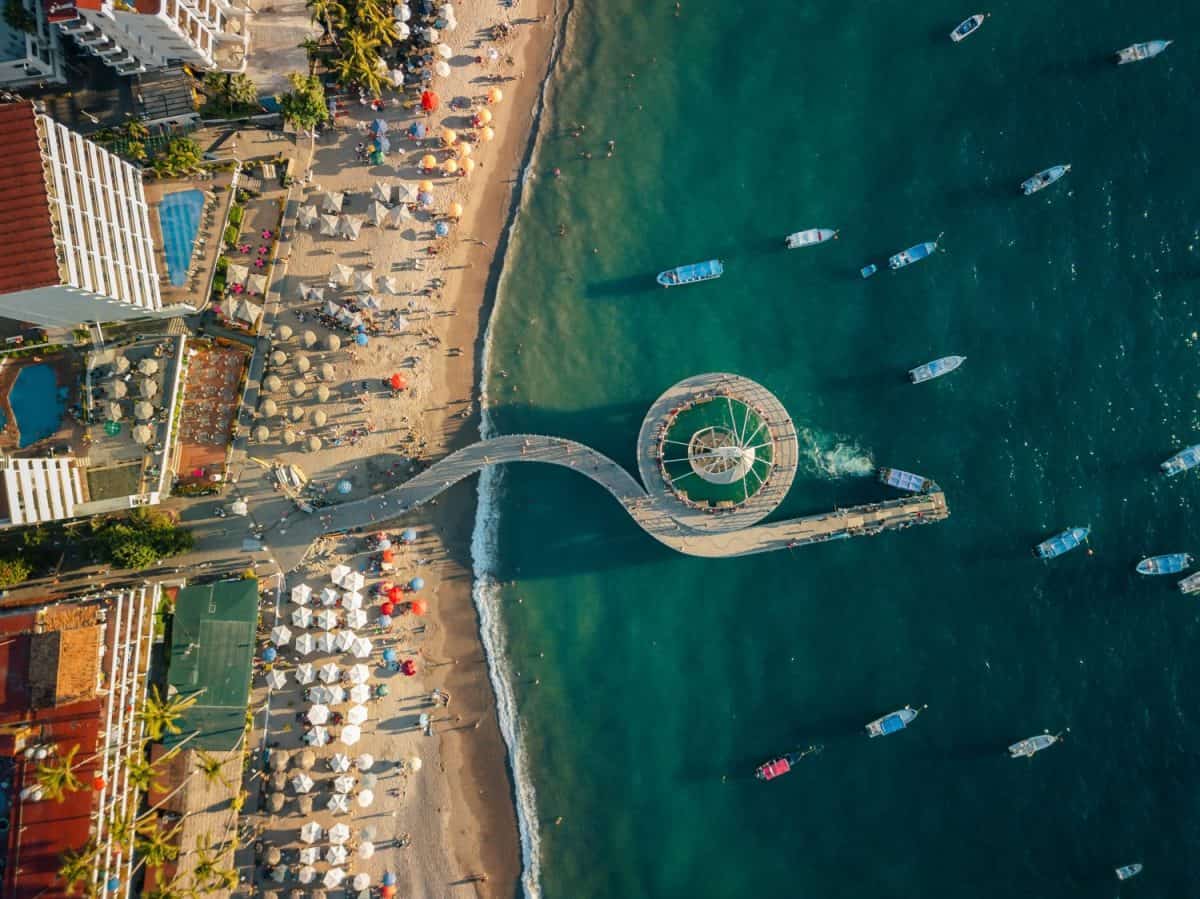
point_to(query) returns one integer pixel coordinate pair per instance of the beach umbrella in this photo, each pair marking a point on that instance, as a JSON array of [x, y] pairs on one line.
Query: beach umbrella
[[302, 617], [379, 126], [358, 674], [441, 68], [449, 137], [306, 874], [487, 135], [301, 594], [332, 202], [296, 413], [311, 832], [278, 781], [356, 618], [121, 364], [416, 583], [418, 607], [338, 834], [148, 366], [387, 607], [354, 580], [298, 388], [239, 507], [284, 332], [278, 358], [376, 214], [483, 117], [495, 95], [402, 12], [309, 339], [142, 434], [350, 735], [389, 655], [280, 634], [349, 226], [276, 679], [365, 798], [409, 535], [305, 673], [343, 783], [333, 343], [417, 130], [310, 855], [268, 408], [302, 363], [327, 372], [337, 854], [361, 648], [362, 880], [334, 876], [318, 714], [403, 31], [318, 736], [322, 394], [272, 383], [318, 417], [320, 694], [329, 673], [468, 166], [327, 642], [313, 444], [444, 51], [339, 762], [361, 339], [116, 389], [279, 760], [441, 229], [341, 275], [306, 217], [430, 101], [310, 294], [389, 879], [396, 594], [464, 150], [363, 281], [329, 595], [396, 215], [289, 436], [366, 849], [301, 782], [114, 414], [143, 410], [305, 759], [428, 162], [275, 804], [456, 210], [359, 694], [351, 599], [385, 621], [339, 803], [257, 284], [338, 573], [357, 714], [425, 198], [408, 668], [236, 273], [382, 690], [329, 225], [345, 639]]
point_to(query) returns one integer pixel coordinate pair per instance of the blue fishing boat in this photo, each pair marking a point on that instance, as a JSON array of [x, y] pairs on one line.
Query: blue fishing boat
[[915, 253], [691, 274], [968, 27], [906, 480], [1068, 540], [1171, 563], [1144, 50], [1043, 179], [890, 724], [1126, 871], [867, 270], [935, 369], [1182, 461]]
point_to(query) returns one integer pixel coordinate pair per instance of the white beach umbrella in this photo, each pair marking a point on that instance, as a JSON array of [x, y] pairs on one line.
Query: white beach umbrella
[[280, 634], [349, 225], [362, 879], [365, 798], [236, 274], [329, 673], [415, 763], [318, 714], [356, 618], [397, 216], [302, 617], [382, 191], [351, 734], [301, 594], [376, 213], [339, 762], [441, 68], [357, 714], [333, 877], [402, 30], [345, 639], [337, 854], [306, 874], [363, 281], [339, 803], [338, 573], [329, 225], [355, 580], [339, 833], [306, 216], [402, 12], [366, 849], [319, 693], [332, 202], [305, 673], [337, 694], [340, 277], [386, 284], [326, 619], [276, 679], [444, 51], [329, 596], [311, 832], [343, 783], [305, 643], [301, 782], [352, 599], [327, 642], [364, 762], [318, 736], [360, 693], [310, 855], [431, 35], [358, 674], [361, 648]]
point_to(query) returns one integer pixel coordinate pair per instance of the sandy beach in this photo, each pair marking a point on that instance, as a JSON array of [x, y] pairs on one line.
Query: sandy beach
[[457, 811]]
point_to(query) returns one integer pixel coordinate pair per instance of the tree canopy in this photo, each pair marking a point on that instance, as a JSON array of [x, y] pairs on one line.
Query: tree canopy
[[304, 106]]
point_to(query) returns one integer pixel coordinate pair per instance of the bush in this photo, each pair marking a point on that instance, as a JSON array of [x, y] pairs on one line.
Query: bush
[[231, 236], [236, 214], [143, 539], [14, 571]]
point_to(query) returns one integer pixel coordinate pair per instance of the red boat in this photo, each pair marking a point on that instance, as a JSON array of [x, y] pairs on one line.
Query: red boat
[[782, 765]]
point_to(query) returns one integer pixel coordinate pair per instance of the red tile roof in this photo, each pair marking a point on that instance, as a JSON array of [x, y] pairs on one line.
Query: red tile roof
[[26, 239], [65, 10]]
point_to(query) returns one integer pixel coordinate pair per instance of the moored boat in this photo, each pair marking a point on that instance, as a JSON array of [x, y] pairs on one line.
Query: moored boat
[[1070, 539], [1028, 748], [1144, 50], [935, 369], [906, 480], [1171, 563], [891, 723], [915, 253], [810, 238], [1184, 460], [1044, 178], [968, 27], [691, 274], [1190, 584], [782, 765], [1126, 871], [867, 270]]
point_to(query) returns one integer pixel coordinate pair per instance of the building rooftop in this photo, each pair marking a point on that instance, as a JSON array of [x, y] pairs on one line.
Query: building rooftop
[[27, 250]]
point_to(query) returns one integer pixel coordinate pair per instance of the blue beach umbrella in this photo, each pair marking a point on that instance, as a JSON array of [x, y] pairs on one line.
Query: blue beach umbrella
[[389, 655], [379, 126], [385, 620], [416, 130], [360, 339], [441, 229], [382, 144], [425, 198], [269, 654], [389, 879], [417, 583], [409, 535]]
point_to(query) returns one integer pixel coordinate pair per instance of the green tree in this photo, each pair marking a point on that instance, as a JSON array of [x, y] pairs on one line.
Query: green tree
[[161, 714], [312, 49], [13, 571], [329, 14], [155, 845], [57, 778], [18, 18], [358, 62], [122, 828], [77, 866], [230, 91], [304, 106], [180, 156]]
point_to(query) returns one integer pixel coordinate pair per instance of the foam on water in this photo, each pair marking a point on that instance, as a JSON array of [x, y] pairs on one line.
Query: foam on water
[[832, 456]]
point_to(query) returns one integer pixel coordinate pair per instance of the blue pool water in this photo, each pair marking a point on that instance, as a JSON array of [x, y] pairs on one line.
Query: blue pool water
[[179, 218], [37, 403]]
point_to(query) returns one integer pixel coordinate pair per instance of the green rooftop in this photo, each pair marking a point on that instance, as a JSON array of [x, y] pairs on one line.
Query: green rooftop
[[212, 649]]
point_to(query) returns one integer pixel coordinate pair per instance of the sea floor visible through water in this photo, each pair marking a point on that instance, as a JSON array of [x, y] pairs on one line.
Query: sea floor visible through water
[[649, 685]]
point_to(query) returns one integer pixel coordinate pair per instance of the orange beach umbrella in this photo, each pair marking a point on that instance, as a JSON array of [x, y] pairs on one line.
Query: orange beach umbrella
[[428, 161], [495, 95]]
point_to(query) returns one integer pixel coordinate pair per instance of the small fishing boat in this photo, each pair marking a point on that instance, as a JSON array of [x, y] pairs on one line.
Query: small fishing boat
[[782, 765], [1068, 540], [968, 27], [1144, 50], [935, 369], [810, 238], [915, 253], [1182, 461], [691, 274], [867, 270], [890, 724], [1027, 749], [1172, 563], [906, 480], [1126, 871], [1190, 584], [1044, 179]]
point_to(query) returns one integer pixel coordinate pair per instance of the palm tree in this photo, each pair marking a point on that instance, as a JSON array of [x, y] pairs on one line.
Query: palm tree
[[161, 714], [121, 828], [382, 29], [142, 774], [208, 874], [312, 50], [57, 778], [211, 768], [173, 889], [331, 14], [358, 62], [78, 865], [155, 845]]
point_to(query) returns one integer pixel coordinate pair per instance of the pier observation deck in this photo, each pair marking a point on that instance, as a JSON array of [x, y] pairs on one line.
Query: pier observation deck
[[754, 460]]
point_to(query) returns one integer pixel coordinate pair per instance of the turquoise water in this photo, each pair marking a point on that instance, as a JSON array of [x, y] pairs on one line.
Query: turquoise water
[[179, 219], [648, 684], [37, 403]]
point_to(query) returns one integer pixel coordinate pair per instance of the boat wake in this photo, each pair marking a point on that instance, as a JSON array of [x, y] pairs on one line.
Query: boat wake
[[832, 457]]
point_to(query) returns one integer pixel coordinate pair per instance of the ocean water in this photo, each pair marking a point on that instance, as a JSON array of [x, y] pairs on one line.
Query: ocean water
[[643, 687]]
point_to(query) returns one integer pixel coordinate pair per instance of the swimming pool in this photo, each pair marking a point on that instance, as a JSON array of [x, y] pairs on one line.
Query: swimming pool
[[179, 218], [37, 403]]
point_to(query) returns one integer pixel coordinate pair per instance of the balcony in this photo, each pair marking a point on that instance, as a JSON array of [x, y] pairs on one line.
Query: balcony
[[132, 67]]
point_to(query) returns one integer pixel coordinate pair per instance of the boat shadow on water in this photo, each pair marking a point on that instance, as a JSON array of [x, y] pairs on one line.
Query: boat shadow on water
[[1086, 67], [621, 288]]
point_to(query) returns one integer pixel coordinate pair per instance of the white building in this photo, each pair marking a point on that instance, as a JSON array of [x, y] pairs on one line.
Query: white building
[[33, 491], [75, 238], [31, 57], [136, 36]]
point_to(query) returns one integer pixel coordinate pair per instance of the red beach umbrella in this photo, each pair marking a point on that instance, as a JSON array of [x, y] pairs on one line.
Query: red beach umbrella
[[396, 594], [387, 892], [397, 382], [389, 556], [386, 608], [408, 667], [418, 607], [429, 101]]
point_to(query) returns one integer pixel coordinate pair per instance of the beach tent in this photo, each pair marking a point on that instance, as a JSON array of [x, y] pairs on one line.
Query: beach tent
[[307, 216], [301, 594], [376, 213], [332, 202], [349, 225], [341, 275]]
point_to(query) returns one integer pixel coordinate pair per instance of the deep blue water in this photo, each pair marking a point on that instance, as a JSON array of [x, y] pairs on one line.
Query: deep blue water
[[37, 403]]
